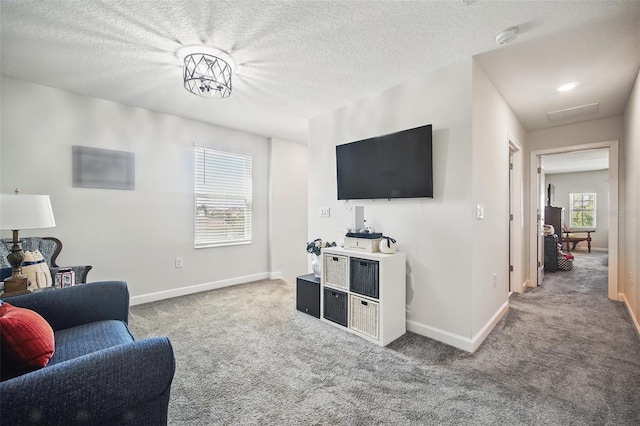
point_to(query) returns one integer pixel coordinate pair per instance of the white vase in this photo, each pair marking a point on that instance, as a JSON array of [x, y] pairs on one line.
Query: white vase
[[316, 265]]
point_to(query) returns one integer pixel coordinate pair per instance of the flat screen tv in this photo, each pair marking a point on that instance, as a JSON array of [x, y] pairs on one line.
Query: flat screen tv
[[398, 165], [551, 194]]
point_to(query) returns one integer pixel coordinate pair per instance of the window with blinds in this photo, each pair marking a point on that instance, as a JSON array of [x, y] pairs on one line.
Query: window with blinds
[[223, 198]]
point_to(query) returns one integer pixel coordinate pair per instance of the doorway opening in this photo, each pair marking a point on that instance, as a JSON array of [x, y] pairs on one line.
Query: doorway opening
[[538, 199]]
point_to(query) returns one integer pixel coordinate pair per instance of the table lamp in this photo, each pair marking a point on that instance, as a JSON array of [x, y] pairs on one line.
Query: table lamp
[[22, 211]]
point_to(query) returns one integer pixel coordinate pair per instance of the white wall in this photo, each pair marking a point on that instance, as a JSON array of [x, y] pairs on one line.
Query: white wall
[[493, 124], [605, 129], [593, 181], [451, 256], [133, 235], [288, 212], [630, 252], [433, 232]]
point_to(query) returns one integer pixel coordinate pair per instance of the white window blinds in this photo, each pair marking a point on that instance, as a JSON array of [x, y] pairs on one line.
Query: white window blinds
[[223, 198]]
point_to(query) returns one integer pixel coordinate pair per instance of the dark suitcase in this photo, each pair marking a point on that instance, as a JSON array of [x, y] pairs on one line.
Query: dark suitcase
[[551, 253]]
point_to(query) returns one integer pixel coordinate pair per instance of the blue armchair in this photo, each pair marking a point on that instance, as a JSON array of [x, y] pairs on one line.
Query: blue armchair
[[50, 247], [98, 375]]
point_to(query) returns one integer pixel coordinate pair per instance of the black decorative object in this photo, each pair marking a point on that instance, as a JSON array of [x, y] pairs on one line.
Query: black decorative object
[[388, 241], [367, 235], [207, 75]]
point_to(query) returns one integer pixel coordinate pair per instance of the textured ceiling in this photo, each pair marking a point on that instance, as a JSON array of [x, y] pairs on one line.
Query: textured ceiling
[[299, 59]]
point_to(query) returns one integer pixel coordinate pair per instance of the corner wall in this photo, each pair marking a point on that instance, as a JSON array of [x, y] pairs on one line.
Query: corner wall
[[288, 209], [131, 235], [494, 124], [630, 241], [432, 232]]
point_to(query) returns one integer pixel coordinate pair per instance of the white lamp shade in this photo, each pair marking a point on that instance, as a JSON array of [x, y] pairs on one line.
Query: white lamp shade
[[25, 211]]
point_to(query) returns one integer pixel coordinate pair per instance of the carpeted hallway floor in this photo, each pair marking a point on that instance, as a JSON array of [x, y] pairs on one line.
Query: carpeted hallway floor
[[563, 354]]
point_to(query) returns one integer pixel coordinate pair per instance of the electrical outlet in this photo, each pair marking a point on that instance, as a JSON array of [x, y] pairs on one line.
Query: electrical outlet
[[495, 280], [179, 262], [325, 212], [480, 211]]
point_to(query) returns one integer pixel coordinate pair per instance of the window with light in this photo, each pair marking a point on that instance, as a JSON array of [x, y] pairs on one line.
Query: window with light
[[223, 198], [582, 210]]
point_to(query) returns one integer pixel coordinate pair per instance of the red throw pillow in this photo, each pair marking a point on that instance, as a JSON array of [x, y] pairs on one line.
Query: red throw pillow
[[27, 338]]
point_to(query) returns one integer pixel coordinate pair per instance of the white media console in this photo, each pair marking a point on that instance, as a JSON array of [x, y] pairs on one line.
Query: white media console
[[364, 293]]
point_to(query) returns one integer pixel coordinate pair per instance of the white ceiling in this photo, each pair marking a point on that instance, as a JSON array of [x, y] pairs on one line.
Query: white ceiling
[[300, 59], [576, 161]]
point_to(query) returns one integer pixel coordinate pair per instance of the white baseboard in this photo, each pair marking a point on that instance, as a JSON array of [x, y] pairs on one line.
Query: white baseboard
[[451, 339], [275, 275], [489, 326], [522, 288], [586, 250], [183, 291], [455, 340], [623, 298]]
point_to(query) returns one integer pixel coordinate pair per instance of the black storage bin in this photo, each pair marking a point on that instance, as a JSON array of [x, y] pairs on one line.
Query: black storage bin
[[363, 277], [308, 294], [335, 306], [551, 253]]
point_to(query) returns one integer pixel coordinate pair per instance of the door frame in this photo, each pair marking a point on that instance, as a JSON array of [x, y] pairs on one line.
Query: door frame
[[613, 146], [517, 229]]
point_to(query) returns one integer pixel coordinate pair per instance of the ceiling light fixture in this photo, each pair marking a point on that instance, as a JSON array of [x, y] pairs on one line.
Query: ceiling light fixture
[[507, 36], [568, 86], [207, 75]]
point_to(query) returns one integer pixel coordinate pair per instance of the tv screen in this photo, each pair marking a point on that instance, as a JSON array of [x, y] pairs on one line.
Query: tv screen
[[551, 194], [398, 165]]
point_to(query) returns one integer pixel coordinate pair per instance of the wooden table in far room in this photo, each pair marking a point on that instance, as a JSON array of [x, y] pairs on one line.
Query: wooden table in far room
[[576, 239]]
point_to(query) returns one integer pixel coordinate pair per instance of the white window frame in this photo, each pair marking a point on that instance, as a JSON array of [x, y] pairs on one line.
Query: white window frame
[[572, 210], [223, 187]]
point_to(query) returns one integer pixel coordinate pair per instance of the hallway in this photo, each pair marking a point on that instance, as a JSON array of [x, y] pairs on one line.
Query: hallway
[[563, 348]]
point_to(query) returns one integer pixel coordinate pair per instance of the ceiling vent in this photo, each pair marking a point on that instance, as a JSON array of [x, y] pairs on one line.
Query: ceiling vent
[[575, 112]]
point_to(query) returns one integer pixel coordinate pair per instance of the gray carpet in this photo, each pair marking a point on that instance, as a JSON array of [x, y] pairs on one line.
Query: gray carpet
[[563, 354]]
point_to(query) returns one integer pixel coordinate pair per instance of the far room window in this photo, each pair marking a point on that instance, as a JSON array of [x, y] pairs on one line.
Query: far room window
[[223, 194], [582, 210]]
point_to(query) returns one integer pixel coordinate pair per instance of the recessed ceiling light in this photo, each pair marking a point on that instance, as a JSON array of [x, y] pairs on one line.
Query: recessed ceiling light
[[568, 86]]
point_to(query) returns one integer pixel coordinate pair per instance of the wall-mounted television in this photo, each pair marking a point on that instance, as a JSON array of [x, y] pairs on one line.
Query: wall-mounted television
[[398, 165], [551, 194]]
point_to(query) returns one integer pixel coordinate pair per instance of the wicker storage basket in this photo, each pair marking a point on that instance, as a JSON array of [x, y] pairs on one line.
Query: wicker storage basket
[[335, 306], [364, 277], [364, 316], [335, 270]]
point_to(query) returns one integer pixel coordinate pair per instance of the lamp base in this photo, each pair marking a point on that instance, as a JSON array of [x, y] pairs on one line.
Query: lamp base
[[16, 284]]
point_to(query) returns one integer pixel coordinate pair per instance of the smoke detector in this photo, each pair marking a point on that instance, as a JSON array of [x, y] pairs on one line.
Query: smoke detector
[[507, 36]]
